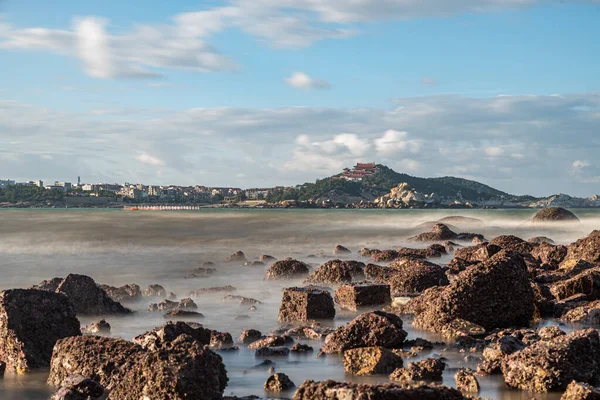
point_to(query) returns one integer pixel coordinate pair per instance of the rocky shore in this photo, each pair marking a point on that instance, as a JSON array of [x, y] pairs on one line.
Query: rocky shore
[[485, 300]]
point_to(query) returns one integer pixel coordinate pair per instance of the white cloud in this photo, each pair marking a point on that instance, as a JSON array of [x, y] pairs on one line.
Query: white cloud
[[149, 159], [300, 80], [493, 151], [92, 43], [578, 164], [394, 142]]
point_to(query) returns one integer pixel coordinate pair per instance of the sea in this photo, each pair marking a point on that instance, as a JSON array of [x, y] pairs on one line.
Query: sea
[[117, 247]]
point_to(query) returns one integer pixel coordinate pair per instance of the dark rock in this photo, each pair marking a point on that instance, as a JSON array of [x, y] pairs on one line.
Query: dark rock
[[475, 254], [439, 233], [466, 381], [267, 341], [587, 249], [371, 360], [266, 258], [304, 304], [552, 365], [125, 293], [216, 289], [287, 269], [279, 383], [587, 282], [183, 314], [369, 329], [384, 255], [49, 285], [333, 272], [495, 354], [339, 249], [164, 305], [87, 297], [154, 291], [587, 314], [187, 304], [78, 387], [249, 335], [549, 254], [430, 369], [357, 295], [202, 272], [301, 348], [492, 294], [411, 277], [237, 256], [97, 327], [272, 351], [220, 340], [512, 243], [331, 390], [540, 240], [554, 214], [581, 391], [241, 300], [158, 337], [31, 321]]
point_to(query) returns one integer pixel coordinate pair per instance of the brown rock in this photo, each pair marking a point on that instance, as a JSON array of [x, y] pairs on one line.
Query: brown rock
[[101, 326], [586, 314], [249, 336], [332, 272], [164, 305], [125, 293], [154, 291], [87, 297], [554, 214], [430, 369], [369, 329], [220, 340], [357, 295], [211, 290], [287, 269], [301, 348], [587, 249], [268, 341], [439, 233], [183, 314], [549, 254], [304, 304], [266, 258], [339, 249], [411, 277], [587, 282], [371, 360], [156, 338], [276, 351], [278, 383], [466, 381], [581, 391], [49, 285], [187, 304], [31, 321], [237, 256], [78, 387]]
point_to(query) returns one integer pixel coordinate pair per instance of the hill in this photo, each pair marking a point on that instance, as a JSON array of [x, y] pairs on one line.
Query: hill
[[371, 187]]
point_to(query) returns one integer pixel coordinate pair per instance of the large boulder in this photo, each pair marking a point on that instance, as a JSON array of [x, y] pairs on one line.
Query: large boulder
[[429, 369], [410, 277], [439, 233], [331, 390], [287, 269], [371, 360], [493, 294], [87, 297], [554, 214], [586, 282], [304, 304], [31, 321], [551, 365], [376, 328], [354, 296], [587, 249]]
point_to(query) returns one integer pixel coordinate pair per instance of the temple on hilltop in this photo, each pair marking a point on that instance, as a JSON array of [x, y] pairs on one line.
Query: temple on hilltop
[[360, 171]]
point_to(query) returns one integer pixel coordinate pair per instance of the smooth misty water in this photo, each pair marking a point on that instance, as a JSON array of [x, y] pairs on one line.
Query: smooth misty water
[[117, 247]]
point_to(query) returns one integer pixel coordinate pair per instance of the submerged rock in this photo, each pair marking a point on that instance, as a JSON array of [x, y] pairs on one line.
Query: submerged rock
[[554, 214], [466, 381], [154, 291], [183, 314], [430, 369], [97, 327], [237, 256], [278, 383], [371, 360], [376, 328], [339, 249], [241, 300], [125, 293], [334, 272], [210, 290], [287, 269], [31, 321], [358, 295], [304, 304], [87, 297]]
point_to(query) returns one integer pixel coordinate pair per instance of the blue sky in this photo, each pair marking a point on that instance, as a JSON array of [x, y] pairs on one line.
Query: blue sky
[[266, 92]]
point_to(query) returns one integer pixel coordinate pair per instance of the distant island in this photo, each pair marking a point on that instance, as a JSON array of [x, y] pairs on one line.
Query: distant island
[[366, 185]]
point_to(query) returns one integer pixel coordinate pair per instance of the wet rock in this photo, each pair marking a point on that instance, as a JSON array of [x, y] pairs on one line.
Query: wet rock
[[154, 291], [158, 337], [550, 332], [249, 335], [266, 258], [102, 359], [182, 369], [358, 295], [187, 304], [495, 354], [587, 249], [339, 249], [512, 243], [439, 233], [552, 365], [220, 340], [466, 381], [492, 294], [241, 300], [287, 269], [581, 391], [331, 390], [101, 327], [278, 383], [237, 256], [31, 321], [587, 282], [301, 348], [384, 255], [430, 369], [411, 277], [475, 254], [183, 314], [332, 272], [211, 290], [540, 240], [376, 328], [304, 304], [125, 293], [268, 341], [554, 214], [164, 305], [371, 360], [586, 314], [49, 285], [549, 254], [78, 387], [272, 351], [433, 250], [87, 297]]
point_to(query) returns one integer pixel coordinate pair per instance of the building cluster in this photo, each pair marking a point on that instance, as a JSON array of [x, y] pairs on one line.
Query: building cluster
[[359, 172], [152, 193]]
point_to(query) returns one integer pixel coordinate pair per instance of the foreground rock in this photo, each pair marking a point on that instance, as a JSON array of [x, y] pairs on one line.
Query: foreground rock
[[78, 387], [87, 297], [355, 296], [31, 321], [278, 383], [336, 272], [466, 381], [586, 282], [331, 390], [492, 294], [554, 214], [587, 314], [587, 249], [304, 304], [581, 391], [287, 269], [410, 277], [371, 360], [430, 369], [376, 328], [552, 365]]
